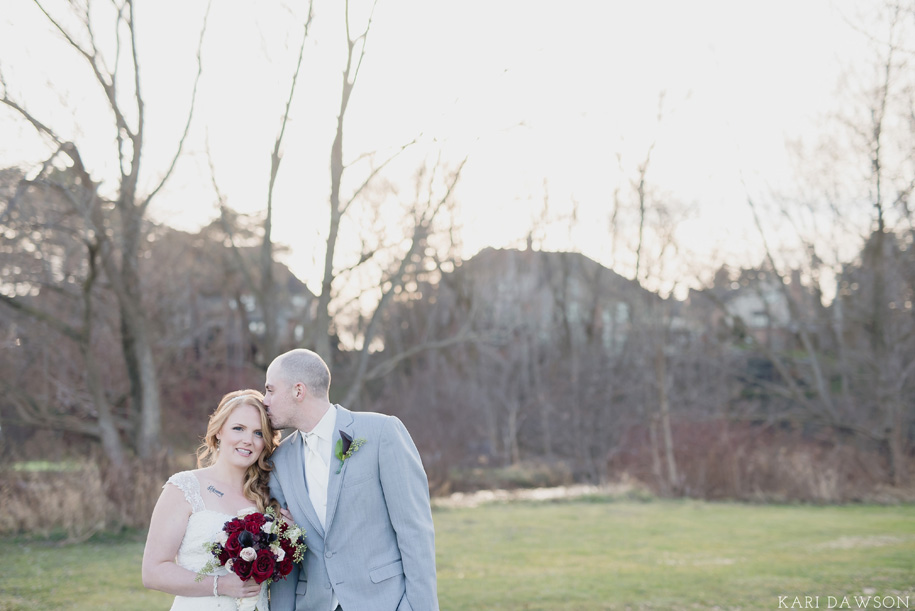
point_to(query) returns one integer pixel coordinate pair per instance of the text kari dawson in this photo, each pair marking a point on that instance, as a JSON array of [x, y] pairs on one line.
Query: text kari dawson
[[843, 602]]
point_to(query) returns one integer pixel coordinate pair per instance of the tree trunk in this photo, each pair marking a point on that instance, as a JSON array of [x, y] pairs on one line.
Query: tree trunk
[[138, 353], [664, 416], [322, 326], [108, 432], [899, 471], [267, 288], [656, 454]]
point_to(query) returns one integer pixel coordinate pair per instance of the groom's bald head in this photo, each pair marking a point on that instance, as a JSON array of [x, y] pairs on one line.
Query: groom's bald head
[[305, 367]]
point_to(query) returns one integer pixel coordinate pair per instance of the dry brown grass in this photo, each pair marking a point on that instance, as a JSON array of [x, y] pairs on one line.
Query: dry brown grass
[[79, 499], [726, 461]]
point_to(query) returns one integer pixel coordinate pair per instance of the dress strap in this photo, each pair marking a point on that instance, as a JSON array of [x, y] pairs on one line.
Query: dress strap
[[188, 483]]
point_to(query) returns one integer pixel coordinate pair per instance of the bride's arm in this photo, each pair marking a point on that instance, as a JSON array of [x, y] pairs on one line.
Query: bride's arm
[[161, 572]]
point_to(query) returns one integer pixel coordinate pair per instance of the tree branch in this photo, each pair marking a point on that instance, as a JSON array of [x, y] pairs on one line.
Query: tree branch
[[55, 323], [373, 174], [822, 387], [387, 366], [38, 125], [190, 114]]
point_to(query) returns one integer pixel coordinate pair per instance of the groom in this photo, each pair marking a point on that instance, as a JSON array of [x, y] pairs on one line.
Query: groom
[[354, 481]]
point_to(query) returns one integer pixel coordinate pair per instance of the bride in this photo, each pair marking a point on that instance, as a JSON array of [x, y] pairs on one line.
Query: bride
[[194, 506]]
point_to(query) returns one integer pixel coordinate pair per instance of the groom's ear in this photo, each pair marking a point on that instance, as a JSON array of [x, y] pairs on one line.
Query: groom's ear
[[299, 391]]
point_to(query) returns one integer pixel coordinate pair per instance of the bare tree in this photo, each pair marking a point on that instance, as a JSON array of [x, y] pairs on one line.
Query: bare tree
[[856, 366], [393, 254], [656, 220], [428, 205], [264, 288], [355, 53], [119, 227], [52, 282]]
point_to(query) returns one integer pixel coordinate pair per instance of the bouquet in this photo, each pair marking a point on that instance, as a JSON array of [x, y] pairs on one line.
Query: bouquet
[[259, 546]]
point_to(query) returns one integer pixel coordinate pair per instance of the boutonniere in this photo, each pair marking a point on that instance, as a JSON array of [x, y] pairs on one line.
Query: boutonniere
[[346, 447]]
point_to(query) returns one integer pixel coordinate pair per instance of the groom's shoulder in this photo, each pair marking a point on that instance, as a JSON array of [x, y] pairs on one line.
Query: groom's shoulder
[[376, 422], [371, 418], [287, 440]]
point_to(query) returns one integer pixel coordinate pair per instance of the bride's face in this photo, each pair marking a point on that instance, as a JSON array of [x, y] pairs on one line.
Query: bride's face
[[241, 439]]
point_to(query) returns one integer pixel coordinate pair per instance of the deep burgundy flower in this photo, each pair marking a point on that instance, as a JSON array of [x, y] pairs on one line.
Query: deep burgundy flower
[[254, 521], [223, 555], [263, 566], [233, 546], [242, 568], [284, 566], [234, 526]]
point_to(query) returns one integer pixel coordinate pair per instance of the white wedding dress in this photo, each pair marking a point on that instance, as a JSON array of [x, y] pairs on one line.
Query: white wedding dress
[[203, 526]]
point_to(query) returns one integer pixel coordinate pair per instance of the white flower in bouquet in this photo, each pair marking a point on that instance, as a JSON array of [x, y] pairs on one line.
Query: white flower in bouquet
[[278, 551], [295, 532]]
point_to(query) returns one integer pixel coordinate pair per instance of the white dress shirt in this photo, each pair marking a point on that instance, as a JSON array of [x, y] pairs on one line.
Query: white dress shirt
[[317, 441], [317, 465]]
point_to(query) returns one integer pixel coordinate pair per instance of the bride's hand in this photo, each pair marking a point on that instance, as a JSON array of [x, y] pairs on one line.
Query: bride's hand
[[232, 585], [286, 515]]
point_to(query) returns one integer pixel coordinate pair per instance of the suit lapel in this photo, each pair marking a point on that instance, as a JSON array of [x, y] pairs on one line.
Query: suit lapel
[[295, 472], [335, 480]]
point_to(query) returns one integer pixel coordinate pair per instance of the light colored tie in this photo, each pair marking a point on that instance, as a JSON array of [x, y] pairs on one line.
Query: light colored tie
[[316, 476]]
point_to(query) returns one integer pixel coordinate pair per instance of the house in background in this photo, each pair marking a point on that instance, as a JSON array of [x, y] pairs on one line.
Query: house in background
[[757, 306], [551, 295], [210, 302]]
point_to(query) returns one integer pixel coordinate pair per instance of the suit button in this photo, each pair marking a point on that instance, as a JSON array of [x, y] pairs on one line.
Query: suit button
[[327, 585], [328, 554]]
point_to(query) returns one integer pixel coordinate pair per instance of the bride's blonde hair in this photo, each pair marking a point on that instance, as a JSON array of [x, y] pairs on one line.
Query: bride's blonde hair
[[256, 486]]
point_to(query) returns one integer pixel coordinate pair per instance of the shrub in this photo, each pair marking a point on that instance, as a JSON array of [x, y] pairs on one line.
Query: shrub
[[77, 499]]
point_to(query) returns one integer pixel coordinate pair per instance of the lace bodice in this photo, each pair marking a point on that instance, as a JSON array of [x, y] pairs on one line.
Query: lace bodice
[[188, 483], [203, 527]]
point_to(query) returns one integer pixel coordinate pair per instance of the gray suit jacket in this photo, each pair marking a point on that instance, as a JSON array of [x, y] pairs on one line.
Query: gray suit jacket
[[377, 551]]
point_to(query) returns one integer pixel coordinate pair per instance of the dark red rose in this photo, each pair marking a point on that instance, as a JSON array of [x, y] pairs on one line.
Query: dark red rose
[[263, 566], [284, 566], [286, 548], [223, 555], [242, 568], [233, 546], [254, 521], [234, 526]]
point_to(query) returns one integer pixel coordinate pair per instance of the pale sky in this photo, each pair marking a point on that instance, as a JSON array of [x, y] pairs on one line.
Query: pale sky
[[535, 92]]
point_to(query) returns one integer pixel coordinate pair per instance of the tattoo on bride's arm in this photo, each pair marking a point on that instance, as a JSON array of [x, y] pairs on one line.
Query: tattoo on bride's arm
[[214, 491]]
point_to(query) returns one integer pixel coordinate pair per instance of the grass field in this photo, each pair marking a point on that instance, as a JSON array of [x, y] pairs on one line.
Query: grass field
[[584, 554]]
